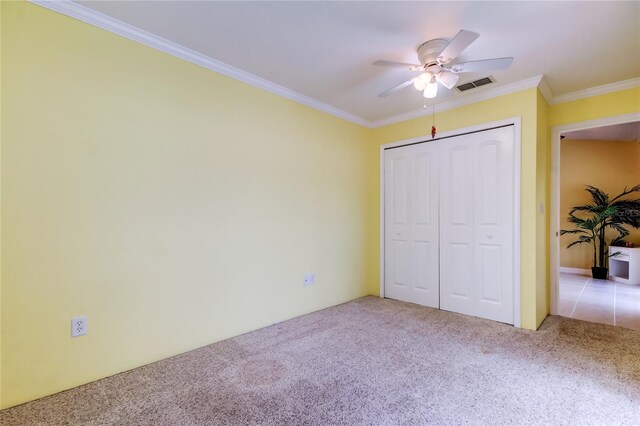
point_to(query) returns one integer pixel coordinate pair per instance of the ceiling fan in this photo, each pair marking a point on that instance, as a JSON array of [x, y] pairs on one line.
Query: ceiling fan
[[436, 57]]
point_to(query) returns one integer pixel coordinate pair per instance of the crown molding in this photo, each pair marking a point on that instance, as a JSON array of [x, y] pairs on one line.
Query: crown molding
[[462, 101], [92, 17], [598, 90], [100, 20], [545, 90]]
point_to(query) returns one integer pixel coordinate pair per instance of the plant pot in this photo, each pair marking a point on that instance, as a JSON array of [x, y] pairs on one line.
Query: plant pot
[[600, 273]]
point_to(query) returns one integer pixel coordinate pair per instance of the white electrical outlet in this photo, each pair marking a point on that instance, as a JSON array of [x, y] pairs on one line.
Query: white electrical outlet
[[78, 326]]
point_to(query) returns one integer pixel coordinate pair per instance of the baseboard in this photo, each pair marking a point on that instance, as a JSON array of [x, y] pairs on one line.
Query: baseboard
[[575, 271]]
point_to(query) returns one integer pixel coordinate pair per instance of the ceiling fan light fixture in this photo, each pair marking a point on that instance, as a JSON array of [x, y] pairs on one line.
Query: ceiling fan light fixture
[[431, 89], [421, 81]]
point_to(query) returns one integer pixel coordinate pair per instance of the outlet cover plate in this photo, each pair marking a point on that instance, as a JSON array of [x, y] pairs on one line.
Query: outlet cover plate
[[78, 326]]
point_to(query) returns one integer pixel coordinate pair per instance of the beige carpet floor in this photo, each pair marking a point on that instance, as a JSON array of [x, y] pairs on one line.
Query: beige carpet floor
[[373, 362]]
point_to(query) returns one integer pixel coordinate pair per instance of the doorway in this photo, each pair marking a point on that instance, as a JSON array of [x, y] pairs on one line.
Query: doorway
[[605, 154]]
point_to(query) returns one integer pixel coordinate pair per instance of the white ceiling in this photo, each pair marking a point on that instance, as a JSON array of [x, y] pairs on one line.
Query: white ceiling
[[617, 132], [324, 50]]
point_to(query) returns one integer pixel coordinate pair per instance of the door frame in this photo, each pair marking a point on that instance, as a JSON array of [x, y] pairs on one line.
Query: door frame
[[554, 202], [516, 122]]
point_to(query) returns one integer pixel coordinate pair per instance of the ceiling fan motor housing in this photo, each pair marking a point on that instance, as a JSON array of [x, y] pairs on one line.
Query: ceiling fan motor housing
[[428, 51]]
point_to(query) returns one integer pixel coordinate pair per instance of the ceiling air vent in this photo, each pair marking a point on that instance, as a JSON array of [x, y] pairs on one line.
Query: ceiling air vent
[[472, 85]]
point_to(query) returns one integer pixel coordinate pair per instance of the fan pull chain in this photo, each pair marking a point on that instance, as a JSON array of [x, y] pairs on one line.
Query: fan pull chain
[[433, 120]]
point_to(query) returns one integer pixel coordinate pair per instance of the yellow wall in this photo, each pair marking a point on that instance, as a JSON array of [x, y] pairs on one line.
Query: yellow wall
[[524, 105], [608, 165], [171, 205], [607, 105]]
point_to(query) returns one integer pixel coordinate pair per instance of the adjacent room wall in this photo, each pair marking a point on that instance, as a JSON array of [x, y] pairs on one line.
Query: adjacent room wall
[[608, 165], [171, 205]]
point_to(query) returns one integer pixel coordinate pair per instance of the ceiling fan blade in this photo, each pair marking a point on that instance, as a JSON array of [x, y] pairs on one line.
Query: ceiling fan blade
[[395, 89], [395, 64], [448, 79], [461, 41], [482, 65]]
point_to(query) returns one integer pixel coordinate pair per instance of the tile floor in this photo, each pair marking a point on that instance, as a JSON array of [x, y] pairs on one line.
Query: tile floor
[[601, 301]]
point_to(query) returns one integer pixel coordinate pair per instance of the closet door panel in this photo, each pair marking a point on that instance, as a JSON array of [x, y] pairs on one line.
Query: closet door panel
[[476, 216], [424, 226], [397, 225], [411, 224], [456, 226], [494, 225]]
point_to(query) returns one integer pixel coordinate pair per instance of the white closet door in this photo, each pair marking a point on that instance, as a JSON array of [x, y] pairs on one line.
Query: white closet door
[[456, 226], [425, 251], [411, 224], [396, 212], [476, 224]]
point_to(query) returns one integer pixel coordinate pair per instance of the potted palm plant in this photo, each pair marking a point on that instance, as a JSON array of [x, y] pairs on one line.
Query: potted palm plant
[[594, 219]]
